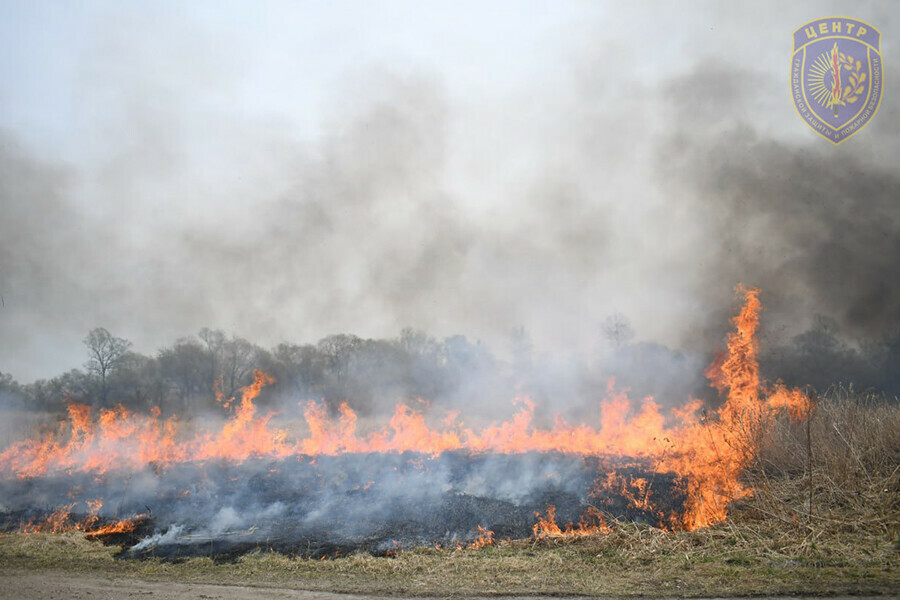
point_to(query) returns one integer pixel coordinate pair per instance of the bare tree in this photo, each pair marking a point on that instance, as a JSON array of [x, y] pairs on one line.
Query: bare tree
[[303, 366], [338, 351], [239, 358], [106, 353], [617, 329], [215, 345], [185, 366]]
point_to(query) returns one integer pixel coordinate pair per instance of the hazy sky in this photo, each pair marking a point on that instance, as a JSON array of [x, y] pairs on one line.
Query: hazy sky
[[285, 171]]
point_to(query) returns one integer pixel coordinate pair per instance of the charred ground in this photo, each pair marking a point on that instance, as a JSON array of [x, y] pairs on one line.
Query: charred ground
[[329, 506]]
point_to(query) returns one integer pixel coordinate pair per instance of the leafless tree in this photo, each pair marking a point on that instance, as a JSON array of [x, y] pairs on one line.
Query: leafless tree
[[105, 355], [215, 343], [617, 329], [237, 365]]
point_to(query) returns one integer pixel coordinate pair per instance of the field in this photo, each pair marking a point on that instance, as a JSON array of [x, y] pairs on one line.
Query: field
[[819, 523]]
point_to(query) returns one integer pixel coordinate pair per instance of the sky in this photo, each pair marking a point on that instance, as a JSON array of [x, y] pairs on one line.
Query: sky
[[288, 170]]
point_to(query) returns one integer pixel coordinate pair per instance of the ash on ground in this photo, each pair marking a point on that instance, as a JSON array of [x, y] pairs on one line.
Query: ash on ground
[[336, 505]]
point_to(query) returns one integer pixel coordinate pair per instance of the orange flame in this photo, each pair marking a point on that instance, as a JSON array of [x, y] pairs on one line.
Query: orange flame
[[63, 519], [57, 522], [123, 526], [483, 539], [707, 452], [591, 523]]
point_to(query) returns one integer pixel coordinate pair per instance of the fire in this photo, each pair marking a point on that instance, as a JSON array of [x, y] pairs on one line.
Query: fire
[[123, 526], [56, 522], [245, 434], [483, 538], [705, 452], [592, 523], [64, 519]]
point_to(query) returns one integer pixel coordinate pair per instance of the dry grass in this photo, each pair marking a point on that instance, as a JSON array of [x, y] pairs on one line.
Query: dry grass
[[837, 474], [632, 560], [772, 544]]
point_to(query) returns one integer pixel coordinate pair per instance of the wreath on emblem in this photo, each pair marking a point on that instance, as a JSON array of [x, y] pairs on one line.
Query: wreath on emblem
[[856, 80]]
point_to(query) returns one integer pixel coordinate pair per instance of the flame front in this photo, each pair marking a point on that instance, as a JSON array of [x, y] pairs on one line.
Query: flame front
[[592, 523], [706, 452]]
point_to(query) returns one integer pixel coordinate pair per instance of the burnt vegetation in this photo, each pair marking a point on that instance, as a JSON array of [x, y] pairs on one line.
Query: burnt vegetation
[[836, 473], [842, 538]]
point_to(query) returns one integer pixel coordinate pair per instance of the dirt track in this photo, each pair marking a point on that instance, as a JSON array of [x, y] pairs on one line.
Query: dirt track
[[64, 586]]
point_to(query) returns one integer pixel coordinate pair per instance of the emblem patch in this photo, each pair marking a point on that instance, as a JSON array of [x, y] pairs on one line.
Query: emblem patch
[[836, 75]]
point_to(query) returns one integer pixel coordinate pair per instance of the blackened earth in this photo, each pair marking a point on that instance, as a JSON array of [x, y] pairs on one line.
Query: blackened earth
[[336, 505]]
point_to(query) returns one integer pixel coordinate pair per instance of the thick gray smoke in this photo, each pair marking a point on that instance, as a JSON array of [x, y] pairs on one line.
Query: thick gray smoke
[[649, 171], [817, 230], [578, 199]]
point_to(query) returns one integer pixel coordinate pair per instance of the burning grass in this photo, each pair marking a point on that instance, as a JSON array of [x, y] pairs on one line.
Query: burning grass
[[772, 494], [676, 469], [771, 542]]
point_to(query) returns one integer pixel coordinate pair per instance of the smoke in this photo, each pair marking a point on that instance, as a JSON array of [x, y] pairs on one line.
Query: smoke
[[42, 255], [815, 229], [316, 506], [639, 162], [630, 177]]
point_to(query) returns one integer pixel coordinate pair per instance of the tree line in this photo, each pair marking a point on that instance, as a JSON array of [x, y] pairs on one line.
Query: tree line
[[370, 374], [185, 376]]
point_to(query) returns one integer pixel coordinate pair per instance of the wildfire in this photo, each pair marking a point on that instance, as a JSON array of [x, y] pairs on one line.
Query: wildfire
[[123, 526], [483, 538], [705, 452], [64, 519], [58, 521], [591, 523]]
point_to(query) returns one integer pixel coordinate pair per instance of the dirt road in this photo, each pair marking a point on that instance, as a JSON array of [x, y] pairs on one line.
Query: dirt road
[[65, 586]]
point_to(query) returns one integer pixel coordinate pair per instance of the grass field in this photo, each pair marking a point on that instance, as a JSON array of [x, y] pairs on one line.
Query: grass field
[[845, 541]]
